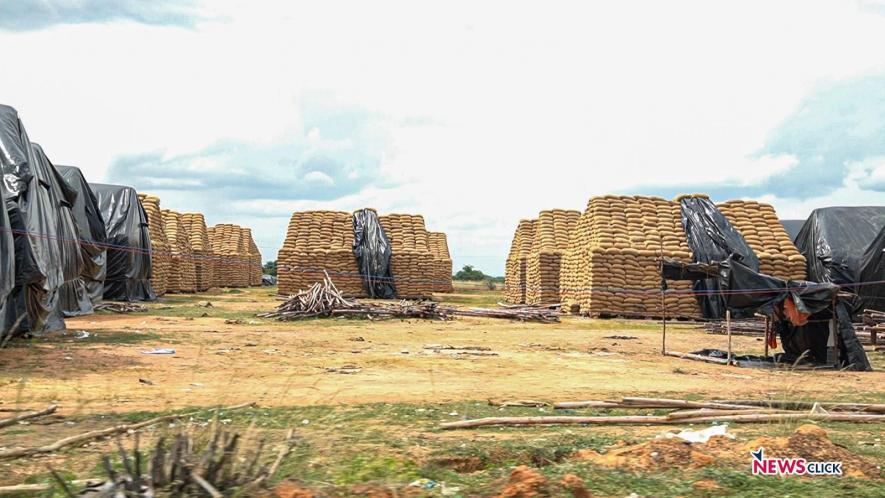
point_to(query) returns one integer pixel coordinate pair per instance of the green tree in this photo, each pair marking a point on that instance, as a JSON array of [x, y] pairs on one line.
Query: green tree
[[470, 273], [270, 268]]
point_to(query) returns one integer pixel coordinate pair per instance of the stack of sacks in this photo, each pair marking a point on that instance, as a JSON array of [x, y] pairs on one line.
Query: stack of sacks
[[442, 262], [218, 279], [255, 271], [515, 269], [195, 224], [183, 275], [411, 262], [161, 260], [612, 264], [232, 252], [542, 267], [318, 241], [759, 225]]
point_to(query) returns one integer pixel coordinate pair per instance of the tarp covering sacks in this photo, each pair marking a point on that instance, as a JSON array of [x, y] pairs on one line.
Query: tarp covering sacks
[[32, 209], [72, 297], [93, 237], [7, 261], [372, 250], [129, 244], [712, 239], [872, 274]]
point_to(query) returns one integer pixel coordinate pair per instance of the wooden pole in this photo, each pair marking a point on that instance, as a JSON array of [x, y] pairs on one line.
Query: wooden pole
[[767, 331], [728, 330], [663, 306]]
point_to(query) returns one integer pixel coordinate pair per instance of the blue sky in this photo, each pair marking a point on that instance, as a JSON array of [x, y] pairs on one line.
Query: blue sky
[[248, 111]]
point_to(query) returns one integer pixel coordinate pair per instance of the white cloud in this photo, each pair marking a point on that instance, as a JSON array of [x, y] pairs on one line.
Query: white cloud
[[492, 111]]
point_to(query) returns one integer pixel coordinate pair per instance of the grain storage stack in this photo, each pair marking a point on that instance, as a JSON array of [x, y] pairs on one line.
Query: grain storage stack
[[611, 266], [515, 269], [233, 255], [411, 261], [182, 276], [254, 268], [542, 267], [195, 224], [160, 254], [318, 241], [760, 227], [442, 262], [219, 278]]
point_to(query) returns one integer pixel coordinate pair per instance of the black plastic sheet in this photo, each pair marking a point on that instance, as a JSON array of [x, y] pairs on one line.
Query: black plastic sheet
[[872, 275], [811, 339], [792, 227], [128, 263], [7, 260], [372, 250], [92, 240], [15, 153], [712, 239]]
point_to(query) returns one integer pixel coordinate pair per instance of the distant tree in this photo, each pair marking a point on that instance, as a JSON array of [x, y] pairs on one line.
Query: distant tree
[[470, 273], [270, 268]]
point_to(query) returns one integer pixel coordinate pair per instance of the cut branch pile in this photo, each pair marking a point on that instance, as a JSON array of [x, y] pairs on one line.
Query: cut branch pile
[[690, 412], [870, 326], [324, 300]]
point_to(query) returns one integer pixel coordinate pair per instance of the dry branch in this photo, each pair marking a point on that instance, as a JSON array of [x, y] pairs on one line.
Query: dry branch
[[6, 422]]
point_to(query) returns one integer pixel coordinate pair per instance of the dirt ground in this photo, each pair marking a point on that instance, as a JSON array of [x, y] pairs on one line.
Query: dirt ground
[[295, 363]]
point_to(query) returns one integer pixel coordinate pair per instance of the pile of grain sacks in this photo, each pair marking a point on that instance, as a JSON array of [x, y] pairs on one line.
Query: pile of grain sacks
[[183, 276], [542, 267], [161, 258], [611, 266], [255, 268], [411, 261], [231, 250], [442, 262], [204, 262], [515, 269], [318, 241], [758, 224]]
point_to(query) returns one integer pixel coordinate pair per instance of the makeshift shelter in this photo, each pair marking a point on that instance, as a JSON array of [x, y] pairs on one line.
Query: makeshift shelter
[[129, 244], [33, 208], [7, 263], [92, 240], [811, 318], [836, 242]]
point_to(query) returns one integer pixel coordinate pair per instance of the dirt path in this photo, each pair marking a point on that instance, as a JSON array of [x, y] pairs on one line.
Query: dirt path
[[287, 364]]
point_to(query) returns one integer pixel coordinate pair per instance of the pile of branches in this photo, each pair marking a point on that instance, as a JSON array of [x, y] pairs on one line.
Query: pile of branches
[[188, 467], [324, 300], [871, 326], [688, 412]]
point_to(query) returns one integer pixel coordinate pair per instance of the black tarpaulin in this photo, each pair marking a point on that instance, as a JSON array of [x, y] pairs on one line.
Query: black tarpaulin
[[7, 261], [92, 239], [872, 274], [712, 239], [746, 292], [128, 262], [792, 227], [15, 153], [372, 250]]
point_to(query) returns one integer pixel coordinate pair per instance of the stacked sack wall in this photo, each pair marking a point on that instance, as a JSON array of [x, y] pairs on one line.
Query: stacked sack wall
[[612, 264], [233, 254], [317, 241], [759, 225], [515, 267], [161, 261], [255, 271], [543, 264], [218, 277], [204, 268], [411, 261], [183, 276], [442, 262]]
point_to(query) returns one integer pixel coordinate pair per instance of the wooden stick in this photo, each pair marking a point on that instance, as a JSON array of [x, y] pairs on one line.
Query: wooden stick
[[706, 412], [658, 420], [6, 422], [88, 436], [681, 403], [697, 357], [20, 489], [807, 405], [568, 405], [728, 329], [206, 486]]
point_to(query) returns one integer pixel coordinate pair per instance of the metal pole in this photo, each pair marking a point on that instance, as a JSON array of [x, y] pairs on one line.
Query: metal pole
[[728, 330]]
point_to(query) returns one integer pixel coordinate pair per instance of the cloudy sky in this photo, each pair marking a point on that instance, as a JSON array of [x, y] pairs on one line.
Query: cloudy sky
[[475, 114]]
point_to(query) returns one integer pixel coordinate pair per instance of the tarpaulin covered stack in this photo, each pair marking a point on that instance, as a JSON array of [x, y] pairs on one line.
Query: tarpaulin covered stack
[[759, 225], [515, 269], [129, 244], [442, 262], [32, 207], [552, 233], [411, 261], [93, 236], [372, 251], [7, 263], [232, 253], [73, 298], [195, 224], [255, 270], [182, 275], [161, 257], [843, 245], [317, 241], [612, 265]]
